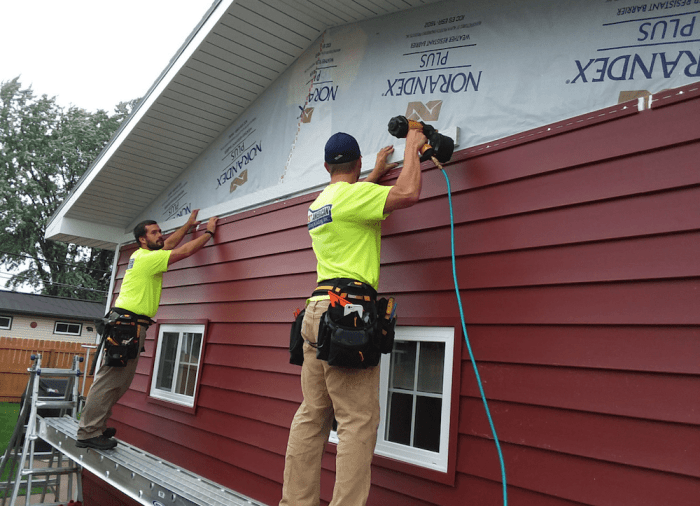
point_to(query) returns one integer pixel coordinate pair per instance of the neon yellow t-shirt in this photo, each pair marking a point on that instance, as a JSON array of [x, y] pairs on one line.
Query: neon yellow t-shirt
[[143, 281], [345, 228]]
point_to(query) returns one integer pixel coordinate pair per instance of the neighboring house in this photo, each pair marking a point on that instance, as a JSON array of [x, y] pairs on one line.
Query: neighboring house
[[43, 317], [577, 244]]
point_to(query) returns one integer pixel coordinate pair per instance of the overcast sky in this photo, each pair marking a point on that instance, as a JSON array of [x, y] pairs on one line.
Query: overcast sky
[[93, 53]]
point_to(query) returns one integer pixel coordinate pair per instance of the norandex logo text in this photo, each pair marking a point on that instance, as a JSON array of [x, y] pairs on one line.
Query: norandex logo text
[[323, 94], [441, 83], [631, 66], [243, 160], [437, 80]]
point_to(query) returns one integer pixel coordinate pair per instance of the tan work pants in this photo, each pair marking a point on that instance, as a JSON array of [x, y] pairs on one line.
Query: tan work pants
[[353, 396], [109, 385]]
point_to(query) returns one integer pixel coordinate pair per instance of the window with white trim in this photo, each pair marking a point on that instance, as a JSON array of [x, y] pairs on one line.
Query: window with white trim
[[5, 322], [415, 396], [68, 328], [177, 363]]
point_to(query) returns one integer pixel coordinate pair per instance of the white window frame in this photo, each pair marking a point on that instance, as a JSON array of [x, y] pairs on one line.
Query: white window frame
[[9, 322], [417, 456], [180, 329], [79, 325]]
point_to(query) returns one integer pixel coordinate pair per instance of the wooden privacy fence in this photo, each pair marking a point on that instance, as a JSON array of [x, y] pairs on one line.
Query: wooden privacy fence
[[15, 359]]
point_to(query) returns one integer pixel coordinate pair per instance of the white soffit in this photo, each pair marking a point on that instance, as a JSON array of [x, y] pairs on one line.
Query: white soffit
[[233, 55]]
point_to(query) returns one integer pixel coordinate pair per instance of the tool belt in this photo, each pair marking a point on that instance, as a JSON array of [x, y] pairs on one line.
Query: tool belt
[[120, 331], [354, 331]]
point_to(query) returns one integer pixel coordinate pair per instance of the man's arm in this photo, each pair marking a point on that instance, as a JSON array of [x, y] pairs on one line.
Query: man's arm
[[406, 191], [193, 246], [176, 237], [381, 167]]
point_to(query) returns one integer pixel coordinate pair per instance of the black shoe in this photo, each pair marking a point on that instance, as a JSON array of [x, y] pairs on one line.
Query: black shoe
[[98, 443], [109, 432]]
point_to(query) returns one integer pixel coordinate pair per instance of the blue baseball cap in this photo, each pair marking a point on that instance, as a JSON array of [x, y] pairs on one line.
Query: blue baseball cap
[[342, 148]]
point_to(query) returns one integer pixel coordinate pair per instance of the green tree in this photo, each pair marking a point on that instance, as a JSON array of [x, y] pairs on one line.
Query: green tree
[[44, 151]]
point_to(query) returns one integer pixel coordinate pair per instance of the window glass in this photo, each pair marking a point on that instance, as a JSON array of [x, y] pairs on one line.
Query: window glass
[[399, 418], [5, 322], [189, 359], [403, 364], [427, 423], [413, 418], [73, 329], [177, 363], [431, 367], [166, 365]]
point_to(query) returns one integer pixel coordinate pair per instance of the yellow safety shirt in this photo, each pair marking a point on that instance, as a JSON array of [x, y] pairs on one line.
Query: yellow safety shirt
[[345, 228], [143, 281]]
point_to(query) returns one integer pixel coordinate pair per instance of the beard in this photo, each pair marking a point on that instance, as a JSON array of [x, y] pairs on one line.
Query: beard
[[155, 245]]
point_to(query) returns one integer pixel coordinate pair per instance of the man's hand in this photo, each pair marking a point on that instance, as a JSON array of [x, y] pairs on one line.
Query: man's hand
[[192, 220], [211, 224], [172, 241], [415, 139], [381, 167], [191, 247]]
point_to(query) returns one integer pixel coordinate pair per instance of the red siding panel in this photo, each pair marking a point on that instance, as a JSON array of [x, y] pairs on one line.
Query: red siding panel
[[585, 480], [672, 349], [670, 447], [663, 397], [577, 255]]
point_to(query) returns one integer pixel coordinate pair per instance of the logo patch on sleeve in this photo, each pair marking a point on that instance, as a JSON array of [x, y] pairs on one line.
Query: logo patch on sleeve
[[320, 216], [131, 263]]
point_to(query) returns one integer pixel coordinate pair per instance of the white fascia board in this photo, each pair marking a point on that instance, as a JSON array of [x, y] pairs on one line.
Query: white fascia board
[[86, 229], [134, 120]]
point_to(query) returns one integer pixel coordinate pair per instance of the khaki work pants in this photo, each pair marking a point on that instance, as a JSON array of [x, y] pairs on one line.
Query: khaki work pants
[[109, 385], [353, 396]]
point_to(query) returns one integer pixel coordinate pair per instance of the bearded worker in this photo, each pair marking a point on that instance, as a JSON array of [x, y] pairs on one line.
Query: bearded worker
[[138, 301]]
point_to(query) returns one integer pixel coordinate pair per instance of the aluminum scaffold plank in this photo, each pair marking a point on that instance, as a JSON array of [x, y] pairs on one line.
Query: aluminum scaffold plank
[[140, 475]]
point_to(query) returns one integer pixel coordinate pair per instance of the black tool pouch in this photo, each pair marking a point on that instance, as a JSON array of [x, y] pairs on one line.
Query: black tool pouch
[[348, 340], [116, 356], [386, 324], [122, 342], [324, 338], [296, 341]]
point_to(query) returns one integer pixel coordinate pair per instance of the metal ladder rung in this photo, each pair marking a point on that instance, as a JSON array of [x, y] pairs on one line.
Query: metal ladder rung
[[58, 372], [56, 404], [62, 503], [45, 471]]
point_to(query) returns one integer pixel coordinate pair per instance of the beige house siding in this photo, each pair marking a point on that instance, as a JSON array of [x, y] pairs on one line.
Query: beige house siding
[[21, 327]]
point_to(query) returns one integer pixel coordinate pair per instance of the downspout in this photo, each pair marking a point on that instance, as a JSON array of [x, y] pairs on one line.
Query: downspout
[[112, 282]]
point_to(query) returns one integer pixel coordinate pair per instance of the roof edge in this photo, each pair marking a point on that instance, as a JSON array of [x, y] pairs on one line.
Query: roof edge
[[136, 114]]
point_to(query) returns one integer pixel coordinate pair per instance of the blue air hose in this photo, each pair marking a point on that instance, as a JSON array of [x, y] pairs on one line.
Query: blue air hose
[[466, 339]]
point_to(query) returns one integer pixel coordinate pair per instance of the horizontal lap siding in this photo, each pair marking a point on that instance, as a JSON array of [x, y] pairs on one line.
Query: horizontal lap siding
[[577, 251]]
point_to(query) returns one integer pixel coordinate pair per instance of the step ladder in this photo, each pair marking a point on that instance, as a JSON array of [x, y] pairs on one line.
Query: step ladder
[[21, 455]]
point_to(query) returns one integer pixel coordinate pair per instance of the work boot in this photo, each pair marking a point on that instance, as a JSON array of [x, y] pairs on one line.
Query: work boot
[[97, 442], [109, 432]]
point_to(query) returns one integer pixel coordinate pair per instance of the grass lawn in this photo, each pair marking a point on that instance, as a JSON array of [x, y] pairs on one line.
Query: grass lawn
[[8, 419], [9, 412]]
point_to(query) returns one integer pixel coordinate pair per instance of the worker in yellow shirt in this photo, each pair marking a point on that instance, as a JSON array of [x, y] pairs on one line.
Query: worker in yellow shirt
[[345, 227], [128, 321]]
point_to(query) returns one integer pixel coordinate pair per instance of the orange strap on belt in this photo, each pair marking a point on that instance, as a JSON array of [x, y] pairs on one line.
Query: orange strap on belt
[[337, 298]]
